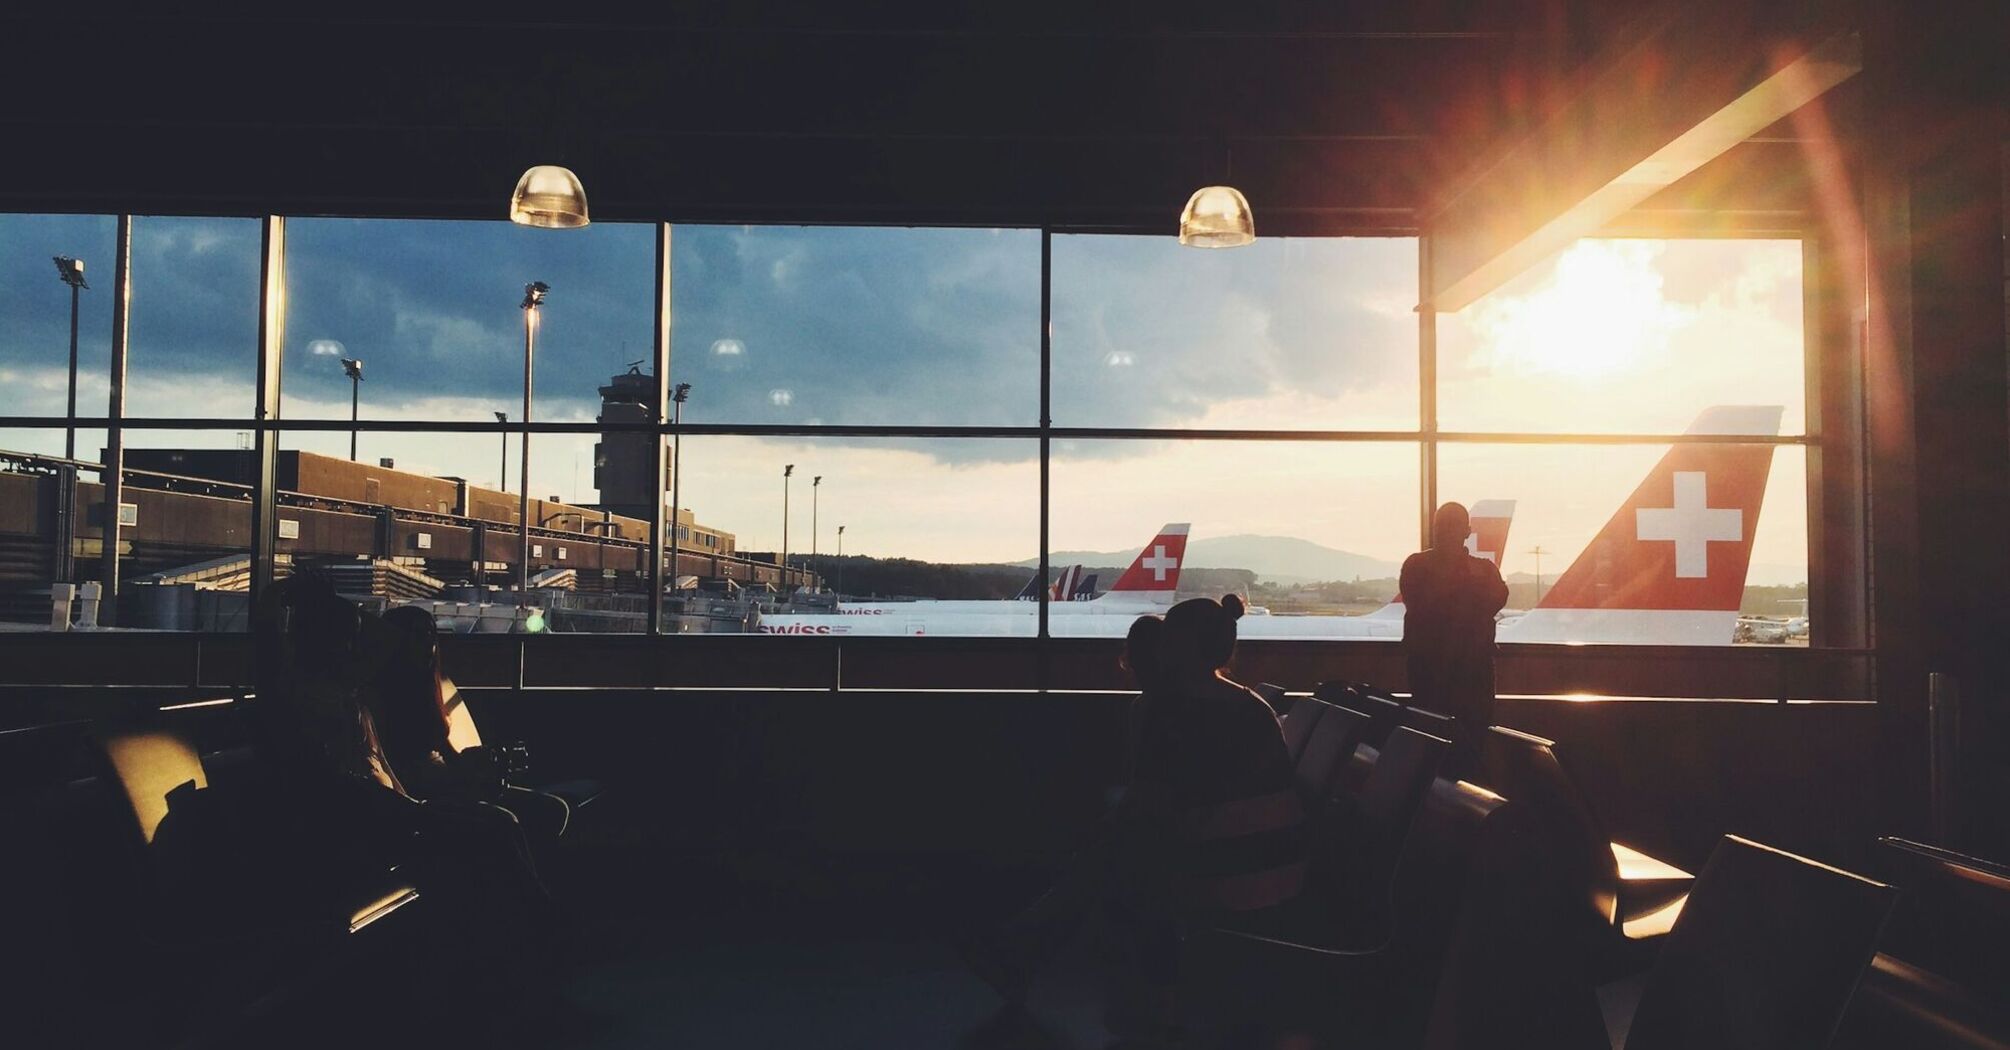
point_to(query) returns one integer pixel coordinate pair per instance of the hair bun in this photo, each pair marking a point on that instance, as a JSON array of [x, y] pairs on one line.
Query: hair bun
[[1233, 603]]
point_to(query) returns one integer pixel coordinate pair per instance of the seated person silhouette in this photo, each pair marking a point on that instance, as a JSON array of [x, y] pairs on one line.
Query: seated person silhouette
[[1450, 599], [408, 707], [1210, 831]]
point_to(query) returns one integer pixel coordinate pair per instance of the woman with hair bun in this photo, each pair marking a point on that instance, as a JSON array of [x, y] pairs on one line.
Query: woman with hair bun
[[1214, 751]]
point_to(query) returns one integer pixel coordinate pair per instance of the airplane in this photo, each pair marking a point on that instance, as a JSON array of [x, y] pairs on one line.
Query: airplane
[[1147, 586]]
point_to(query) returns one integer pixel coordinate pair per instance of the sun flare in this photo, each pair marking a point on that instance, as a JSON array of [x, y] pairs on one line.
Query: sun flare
[[1599, 312]]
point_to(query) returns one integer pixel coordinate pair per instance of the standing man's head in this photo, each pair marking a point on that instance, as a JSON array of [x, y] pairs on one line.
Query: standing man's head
[[1450, 526]]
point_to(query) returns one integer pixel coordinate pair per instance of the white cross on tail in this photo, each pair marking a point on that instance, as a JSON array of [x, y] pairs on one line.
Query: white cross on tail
[[1159, 563], [1690, 524]]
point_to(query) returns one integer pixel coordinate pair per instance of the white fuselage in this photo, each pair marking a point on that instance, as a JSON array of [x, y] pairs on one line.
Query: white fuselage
[[1105, 619]]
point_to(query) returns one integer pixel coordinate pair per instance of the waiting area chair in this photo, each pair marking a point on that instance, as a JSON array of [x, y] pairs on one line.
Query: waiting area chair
[[1624, 890], [1765, 954], [1461, 967], [1938, 980]]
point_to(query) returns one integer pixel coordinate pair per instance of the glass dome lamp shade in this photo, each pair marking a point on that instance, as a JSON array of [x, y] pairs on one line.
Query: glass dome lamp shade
[[549, 196], [1217, 217]]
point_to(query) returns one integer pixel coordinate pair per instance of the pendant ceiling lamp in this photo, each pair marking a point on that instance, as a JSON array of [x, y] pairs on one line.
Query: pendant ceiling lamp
[[549, 196], [1217, 217]]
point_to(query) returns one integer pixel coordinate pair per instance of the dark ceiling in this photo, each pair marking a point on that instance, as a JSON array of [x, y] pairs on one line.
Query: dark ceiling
[[1331, 117]]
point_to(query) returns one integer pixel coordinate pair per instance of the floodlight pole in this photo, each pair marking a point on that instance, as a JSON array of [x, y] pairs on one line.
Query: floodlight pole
[[503, 474], [677, 396], [353, 366], [840, 574], [1538, 552], [788, 471], [533, 300], [815, 484], [72, 273]]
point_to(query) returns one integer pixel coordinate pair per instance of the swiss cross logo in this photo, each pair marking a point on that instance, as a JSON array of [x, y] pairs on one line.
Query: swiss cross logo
[[1159, 563], [1691, 524], [1473, 547]]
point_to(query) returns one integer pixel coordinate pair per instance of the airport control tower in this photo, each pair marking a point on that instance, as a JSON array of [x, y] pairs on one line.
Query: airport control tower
[[622, 460]]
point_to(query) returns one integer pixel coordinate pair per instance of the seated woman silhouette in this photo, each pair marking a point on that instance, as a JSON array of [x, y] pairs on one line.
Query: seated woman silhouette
[[1213, 752], [408, 706], [1210, 832]]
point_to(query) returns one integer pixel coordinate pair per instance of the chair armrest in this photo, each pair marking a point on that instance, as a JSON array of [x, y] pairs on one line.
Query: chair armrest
[[1236, 975]]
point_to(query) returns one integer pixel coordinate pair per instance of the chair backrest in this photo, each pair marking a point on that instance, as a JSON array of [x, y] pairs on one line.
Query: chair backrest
[[1403, 772], [1383, 713], [1333, 740], [461, 731], [1955, 916], [1508, 981], [1434, 868], [1274, 695], [1766, 954], [148, 764], [1425, 721], [1298, 724], [1525, 768], [1338, 693]]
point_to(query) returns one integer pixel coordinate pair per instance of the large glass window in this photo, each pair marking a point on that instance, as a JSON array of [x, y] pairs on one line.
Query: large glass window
[[1284, 334], [856, 325], [881, 536], [35, 312], [193, 345], [1629, 336], [433, 311], [1311, 530], [898, 372]]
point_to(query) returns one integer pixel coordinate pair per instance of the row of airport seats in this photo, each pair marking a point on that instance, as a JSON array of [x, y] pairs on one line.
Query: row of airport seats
[[145, 934], [1496, 914]]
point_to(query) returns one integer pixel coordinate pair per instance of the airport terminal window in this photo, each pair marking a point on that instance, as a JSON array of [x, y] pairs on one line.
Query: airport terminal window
[[193, 347], [857, 325], [949, 519], [929, 337], [1287, 333], [1629, 336], [432, 310], [35, 312], [1311, 533]]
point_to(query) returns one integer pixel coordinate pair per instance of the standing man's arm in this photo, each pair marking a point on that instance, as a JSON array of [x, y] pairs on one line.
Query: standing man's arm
[[1495, 589]]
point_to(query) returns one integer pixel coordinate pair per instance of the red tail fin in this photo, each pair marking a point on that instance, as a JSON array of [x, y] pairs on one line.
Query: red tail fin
[[1683, 540], [1155, 571]]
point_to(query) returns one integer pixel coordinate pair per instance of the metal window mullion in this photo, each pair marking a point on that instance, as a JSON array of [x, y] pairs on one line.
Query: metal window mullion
[[1427, 393], [1046, 432], [265, 407], [113, 477], [661, 405]]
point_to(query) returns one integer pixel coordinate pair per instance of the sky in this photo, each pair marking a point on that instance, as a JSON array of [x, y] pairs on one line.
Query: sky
[[941, 327]]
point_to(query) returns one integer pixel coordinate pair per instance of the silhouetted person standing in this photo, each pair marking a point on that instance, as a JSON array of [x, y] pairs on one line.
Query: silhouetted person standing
[[1450, 598]]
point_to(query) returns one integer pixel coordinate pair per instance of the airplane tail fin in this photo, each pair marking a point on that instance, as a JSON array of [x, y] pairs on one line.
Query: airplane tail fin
[[1669, 567], [1085, 590], [1154, 574]]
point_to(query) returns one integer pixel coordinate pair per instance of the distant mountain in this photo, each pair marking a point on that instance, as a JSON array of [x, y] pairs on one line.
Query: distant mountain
[[1279, 559]]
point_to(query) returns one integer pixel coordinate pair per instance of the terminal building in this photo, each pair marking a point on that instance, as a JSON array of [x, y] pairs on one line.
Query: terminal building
[[391, 535]]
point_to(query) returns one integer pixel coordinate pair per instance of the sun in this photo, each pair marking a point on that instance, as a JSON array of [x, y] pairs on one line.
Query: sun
[[1598, 312]]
